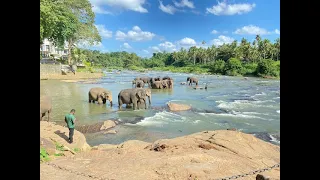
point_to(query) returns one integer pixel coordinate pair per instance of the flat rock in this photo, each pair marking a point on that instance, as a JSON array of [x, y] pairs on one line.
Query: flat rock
[[178, 107]]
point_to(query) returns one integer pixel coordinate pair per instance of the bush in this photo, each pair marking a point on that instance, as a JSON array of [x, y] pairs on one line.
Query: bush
[[233, 67], [268, 67], [249, 68], [217, 67]]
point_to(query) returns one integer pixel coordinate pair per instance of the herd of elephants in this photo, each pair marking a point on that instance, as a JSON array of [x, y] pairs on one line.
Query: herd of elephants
[[135, 97]]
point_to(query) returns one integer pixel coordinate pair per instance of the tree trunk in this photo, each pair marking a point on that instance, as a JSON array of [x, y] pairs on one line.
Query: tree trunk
[[69, 51]]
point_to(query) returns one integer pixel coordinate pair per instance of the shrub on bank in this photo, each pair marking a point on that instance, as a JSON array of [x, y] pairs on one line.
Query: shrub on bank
[[217, 67], [249, 68], [268, 67], [233, 67]]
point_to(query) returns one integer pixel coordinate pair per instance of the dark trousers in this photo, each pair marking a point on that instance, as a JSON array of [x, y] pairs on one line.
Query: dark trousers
[[71, 130]]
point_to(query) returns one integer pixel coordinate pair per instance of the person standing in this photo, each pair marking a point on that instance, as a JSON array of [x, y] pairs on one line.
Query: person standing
[[70, 119]]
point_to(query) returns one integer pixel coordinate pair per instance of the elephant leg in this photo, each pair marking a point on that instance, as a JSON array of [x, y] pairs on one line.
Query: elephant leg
[[48, 116], [120, 103], [135, 104]]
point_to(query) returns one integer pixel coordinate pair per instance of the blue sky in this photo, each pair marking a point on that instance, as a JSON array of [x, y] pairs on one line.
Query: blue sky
[[147, 26]]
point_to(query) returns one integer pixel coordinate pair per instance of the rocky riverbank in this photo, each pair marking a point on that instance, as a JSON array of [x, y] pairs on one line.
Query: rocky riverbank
[[203, 155]]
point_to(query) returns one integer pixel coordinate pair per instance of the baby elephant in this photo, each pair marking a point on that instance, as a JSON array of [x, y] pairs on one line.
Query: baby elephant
[[45, 106], [192, 80], [100, 94]]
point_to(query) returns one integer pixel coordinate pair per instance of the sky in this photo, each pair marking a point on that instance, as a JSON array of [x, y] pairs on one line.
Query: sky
[[148, 26]]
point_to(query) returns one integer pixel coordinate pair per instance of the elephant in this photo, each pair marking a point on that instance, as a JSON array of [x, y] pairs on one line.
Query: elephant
[[138, 83], [169, 83], [157, 79], [45, 106], [159, 84], [192, 80], [145, 79], [167, 77], [101, 95], [133, 96]]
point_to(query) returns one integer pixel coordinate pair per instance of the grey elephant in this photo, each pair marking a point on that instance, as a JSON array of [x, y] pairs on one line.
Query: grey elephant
[[45, 106], [192, 80], [167, 77], [167, 83], [145, 79], [136, 97], [159, 84], [138, 83], [100, 94]]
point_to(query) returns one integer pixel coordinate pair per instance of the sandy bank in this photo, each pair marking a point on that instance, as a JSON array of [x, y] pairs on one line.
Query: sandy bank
[[70, 76], [203, 155]]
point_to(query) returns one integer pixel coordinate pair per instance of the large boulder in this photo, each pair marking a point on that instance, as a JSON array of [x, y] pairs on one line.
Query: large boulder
[[178, 107], [107, 125]]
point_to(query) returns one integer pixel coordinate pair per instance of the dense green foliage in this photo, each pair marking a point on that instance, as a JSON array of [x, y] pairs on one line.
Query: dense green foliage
[[260, 58]]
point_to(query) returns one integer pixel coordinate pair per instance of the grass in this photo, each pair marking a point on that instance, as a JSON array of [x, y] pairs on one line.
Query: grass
[[44, 156]]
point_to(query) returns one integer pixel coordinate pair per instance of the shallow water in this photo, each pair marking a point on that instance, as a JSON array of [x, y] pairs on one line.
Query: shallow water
[[252, 106]]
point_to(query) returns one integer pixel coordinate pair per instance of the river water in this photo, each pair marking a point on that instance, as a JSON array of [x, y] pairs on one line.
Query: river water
[[251, 106]]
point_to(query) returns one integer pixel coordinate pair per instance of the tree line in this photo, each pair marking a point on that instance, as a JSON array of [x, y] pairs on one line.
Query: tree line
[[259, 58]]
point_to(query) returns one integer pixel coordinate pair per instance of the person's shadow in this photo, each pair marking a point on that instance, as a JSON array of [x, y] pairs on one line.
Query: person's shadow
[[62, 135]]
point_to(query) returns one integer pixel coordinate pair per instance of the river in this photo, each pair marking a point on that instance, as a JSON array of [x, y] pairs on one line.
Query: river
[[251, 106]]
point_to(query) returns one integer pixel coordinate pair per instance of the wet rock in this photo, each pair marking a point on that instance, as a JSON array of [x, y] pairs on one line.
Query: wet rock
[[107, 125], [178, 107], [277, 136], [110, 132], [263, 135]]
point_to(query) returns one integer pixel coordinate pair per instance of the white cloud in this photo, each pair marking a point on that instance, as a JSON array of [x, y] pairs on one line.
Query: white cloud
[[99, 10], [105, 33], [251, 30], [145, 51], [187, 42], [136, 28], [230, 9], [136, 34], [222, 40], [277, 31], [214, 32], [155, 49], [132, 5], [126, 46], [167, 46], [167, 9], [184, 3]]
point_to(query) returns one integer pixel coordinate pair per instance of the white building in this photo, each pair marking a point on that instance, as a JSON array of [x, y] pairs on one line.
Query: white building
[[48, 48]]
